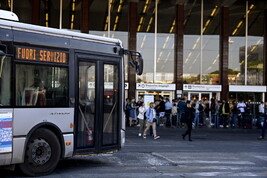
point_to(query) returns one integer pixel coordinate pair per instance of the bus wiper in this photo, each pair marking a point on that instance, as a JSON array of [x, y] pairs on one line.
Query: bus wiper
[[136, 60]]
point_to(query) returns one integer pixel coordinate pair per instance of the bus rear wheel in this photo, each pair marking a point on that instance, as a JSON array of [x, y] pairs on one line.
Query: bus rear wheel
[[42, 153]]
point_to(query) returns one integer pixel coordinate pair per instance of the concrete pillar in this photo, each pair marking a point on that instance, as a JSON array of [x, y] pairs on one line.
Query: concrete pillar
[[132, 27], [36, 12], [179, 46], [224, 53], [85, 11]]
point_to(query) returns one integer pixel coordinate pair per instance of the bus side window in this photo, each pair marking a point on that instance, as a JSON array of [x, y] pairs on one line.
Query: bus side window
[[41, 86]]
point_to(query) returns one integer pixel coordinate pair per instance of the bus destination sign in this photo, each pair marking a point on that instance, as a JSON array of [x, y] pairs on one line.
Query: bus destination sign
[[43, 55]]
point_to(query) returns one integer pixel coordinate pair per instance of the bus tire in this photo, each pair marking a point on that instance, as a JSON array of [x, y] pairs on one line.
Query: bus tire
[[42, 153]]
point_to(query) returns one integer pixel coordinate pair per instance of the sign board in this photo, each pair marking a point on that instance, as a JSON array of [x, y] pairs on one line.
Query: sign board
[[5, 132], [107, 85], [126, 86], [179, 92], [148, 99], [155, 86], [246, 88], [193, 87]]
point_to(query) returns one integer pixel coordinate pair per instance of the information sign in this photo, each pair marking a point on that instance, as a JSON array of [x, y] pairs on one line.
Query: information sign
[[5, 132]]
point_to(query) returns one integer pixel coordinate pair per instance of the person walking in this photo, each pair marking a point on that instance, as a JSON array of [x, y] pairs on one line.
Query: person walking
[[151, 121], [264, 123], [141, 117], [189, 114]]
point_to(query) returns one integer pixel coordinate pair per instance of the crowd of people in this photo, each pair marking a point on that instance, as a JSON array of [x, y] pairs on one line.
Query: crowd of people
[[192, 113]]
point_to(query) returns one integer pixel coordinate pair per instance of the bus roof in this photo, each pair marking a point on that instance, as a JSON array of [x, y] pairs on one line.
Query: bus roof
[[57, 32]]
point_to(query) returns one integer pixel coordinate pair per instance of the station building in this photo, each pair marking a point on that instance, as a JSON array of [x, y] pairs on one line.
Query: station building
[[195, 48]]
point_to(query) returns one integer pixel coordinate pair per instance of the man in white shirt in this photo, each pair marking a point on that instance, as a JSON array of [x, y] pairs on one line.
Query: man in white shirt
[[241, 106], [261, 108]]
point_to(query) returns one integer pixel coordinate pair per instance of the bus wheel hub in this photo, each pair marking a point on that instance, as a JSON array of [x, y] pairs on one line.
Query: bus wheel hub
[[40, 151]]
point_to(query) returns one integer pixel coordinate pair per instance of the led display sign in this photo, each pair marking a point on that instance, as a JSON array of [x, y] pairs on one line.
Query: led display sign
[[42, 55]]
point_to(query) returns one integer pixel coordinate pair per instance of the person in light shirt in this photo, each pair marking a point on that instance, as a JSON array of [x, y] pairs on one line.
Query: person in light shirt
[[141, 117], [151, 120], [241, 106]]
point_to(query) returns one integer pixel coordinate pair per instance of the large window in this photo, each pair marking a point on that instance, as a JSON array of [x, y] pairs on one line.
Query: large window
[[255, 45], [145, 45], [192, 43], [164, 62], [201, 43], [5, 79], [246, 44], [41, 86]]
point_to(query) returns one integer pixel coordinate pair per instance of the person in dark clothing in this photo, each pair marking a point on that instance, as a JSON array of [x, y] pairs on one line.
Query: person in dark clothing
[[224, 111], [160, 108], [189, 115], [127, 110], [235, 111], [264, 123], [213, 110], [181, 108]]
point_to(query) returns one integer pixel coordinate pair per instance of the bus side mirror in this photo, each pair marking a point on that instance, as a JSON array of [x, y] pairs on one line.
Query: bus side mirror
[[136, 60]]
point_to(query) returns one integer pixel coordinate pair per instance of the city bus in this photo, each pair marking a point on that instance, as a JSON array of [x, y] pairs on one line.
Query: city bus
[[61, 95]]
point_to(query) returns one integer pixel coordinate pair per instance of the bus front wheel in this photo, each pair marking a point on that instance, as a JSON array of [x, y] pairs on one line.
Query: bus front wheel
[[42, 153]]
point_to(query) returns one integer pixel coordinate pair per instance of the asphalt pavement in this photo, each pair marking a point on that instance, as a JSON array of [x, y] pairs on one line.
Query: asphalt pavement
[[222, 152]]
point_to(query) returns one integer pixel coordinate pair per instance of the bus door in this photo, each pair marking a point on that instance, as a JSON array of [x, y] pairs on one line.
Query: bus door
[[97, 114]]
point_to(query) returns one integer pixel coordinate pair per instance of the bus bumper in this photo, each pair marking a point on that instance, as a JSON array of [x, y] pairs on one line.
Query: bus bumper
[[5, 159]]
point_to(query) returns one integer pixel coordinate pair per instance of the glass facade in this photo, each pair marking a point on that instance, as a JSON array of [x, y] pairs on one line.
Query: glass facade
[[164, 62], [192, 43], [155, 37], [255, 45], [201, 52], [246, 44], [191, 66], [145, 45]]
